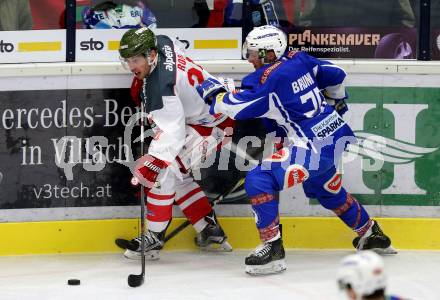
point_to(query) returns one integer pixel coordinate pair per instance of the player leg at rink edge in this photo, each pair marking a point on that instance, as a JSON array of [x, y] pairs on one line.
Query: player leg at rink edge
[[304, 111], [188, 195], [322, 183]]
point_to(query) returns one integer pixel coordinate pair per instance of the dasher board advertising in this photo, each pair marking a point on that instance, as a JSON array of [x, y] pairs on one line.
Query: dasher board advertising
[[200, 43], [33, 46], [354, 42]]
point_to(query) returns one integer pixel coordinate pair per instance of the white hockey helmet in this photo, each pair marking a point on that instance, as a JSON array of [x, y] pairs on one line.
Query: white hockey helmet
[[264, 38], [363, 272]]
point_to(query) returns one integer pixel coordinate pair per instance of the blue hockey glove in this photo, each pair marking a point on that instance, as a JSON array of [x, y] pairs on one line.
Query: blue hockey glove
[[209, 89]]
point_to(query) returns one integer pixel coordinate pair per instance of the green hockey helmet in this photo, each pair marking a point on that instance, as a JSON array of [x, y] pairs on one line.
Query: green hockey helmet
[[137, 41]]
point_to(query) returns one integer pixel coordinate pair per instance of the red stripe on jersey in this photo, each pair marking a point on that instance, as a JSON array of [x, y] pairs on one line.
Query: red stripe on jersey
[[160, 197], [225, 124], [188, 195], [159, 213], [346, 206], [202, 130], [361, 231], [269, 70], [261, 198], [198, 210], [270, 231]]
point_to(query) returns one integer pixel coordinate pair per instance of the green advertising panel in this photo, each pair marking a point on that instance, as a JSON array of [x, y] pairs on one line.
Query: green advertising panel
[[398, 155]]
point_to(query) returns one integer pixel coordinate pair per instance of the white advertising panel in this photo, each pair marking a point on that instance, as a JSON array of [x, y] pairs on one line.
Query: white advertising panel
[[33, 46], [200, 43]]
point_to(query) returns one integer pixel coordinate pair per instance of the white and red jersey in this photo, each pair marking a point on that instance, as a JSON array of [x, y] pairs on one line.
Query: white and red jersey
[[189, 74], [172, 101], [185, 133]]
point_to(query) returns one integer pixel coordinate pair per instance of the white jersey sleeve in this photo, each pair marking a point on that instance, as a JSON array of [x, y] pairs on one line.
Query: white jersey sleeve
[[169, 132]]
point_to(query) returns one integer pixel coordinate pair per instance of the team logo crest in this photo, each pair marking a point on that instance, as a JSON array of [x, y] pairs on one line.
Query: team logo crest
[[295, 174], [279, 156], [334, 184]]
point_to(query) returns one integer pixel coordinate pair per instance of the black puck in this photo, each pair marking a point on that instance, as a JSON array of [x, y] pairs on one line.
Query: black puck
[[73, 282]]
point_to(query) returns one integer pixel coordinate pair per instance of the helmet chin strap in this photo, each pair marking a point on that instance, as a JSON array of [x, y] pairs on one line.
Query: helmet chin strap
[[266, 61], [152, 62]]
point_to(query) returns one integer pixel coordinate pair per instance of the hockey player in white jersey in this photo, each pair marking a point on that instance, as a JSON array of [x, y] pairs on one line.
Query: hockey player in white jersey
[[184, 133], [291, 92]]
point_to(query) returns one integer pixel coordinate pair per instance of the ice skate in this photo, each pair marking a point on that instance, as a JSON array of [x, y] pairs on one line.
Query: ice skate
[[374, 239], [212, 237], [153, 244], [267, 258]]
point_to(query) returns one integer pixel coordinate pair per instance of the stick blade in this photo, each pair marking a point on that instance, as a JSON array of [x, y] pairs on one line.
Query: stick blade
[[135, 280]]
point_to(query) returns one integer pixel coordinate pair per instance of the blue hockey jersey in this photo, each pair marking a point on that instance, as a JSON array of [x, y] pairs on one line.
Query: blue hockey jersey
[[252, 82], [290, 94]]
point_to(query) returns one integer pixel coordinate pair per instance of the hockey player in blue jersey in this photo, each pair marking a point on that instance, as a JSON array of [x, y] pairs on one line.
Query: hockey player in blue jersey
[[291, 92], [362, 276]]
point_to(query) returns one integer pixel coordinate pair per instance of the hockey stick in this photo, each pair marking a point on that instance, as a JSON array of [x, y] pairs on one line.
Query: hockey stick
[[122, 243], [127, 244], [240, 153], [217, 199], [135, 280]]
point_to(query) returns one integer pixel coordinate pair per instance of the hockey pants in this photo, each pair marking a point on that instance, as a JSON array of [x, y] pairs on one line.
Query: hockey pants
[[293, 166], [176, 186]]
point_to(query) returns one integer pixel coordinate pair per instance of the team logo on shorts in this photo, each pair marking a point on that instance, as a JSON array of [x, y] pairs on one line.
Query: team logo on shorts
[[279, 156], [295, 174], [334, 184]]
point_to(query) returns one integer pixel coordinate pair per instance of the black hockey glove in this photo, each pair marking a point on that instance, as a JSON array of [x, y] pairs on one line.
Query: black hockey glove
[[339, 105]]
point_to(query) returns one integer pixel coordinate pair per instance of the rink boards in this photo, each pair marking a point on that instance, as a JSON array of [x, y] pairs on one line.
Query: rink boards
[[394, 104], [298, 233]]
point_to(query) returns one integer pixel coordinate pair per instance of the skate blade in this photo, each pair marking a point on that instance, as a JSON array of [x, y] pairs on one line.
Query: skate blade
[[214, 247], [385, 251], [150, 255], [273, 267]]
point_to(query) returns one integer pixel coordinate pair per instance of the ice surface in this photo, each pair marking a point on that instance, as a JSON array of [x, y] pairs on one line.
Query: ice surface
[[201, 275]]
